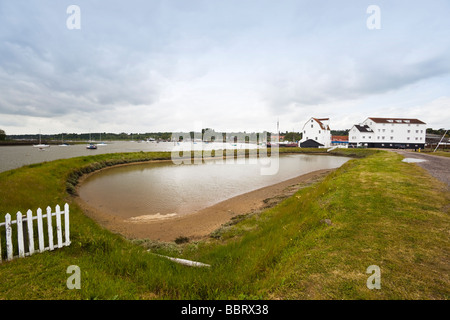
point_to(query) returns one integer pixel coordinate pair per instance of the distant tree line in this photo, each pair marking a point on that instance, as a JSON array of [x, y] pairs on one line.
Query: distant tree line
[[439, 132], [2, 135]]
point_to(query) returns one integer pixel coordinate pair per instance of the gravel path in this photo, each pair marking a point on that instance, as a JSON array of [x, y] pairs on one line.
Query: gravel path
[[437, 166]]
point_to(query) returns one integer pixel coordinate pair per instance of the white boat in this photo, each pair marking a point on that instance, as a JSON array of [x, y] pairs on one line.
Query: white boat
[[63, 144], [41, 145], [101, 142]]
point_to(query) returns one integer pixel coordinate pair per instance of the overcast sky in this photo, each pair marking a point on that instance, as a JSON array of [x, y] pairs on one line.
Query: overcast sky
[[231, 65]]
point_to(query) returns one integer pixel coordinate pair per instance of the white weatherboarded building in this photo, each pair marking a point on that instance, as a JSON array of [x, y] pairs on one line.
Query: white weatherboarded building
[[316, 132], [388, 133]]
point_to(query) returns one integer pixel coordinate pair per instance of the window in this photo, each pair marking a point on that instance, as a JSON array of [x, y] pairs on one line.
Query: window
[[378, 137], [312, 126], [417, 131], [407, 138], [392, 131], [316, 139], [384, 130], [417, 138], [409, 131], [363, 137], [421, 131], [370, 137], [319, 131], [382, 138], [392, 138], [379, 130]]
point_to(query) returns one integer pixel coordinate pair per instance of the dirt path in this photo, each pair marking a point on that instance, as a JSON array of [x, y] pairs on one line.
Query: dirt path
[[201, 223], [437, 166]]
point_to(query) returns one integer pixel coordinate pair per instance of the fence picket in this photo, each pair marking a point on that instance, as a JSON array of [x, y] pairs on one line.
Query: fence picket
[[40, 230], [30, 232], [19, 223], [58, 226], [50, 229], [9, 245], [66, 224]]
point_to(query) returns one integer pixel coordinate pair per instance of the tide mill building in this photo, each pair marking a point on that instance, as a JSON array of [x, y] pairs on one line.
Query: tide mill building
[[388, 133]]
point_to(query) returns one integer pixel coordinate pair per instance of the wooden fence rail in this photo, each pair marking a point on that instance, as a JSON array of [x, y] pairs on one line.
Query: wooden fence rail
[[25, 232]]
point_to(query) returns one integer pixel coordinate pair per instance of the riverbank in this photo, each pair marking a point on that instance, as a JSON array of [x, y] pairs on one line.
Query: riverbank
[[315, 244]]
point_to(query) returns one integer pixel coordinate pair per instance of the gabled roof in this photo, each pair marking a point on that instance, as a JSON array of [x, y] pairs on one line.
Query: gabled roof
[[396, 120], [322, 126]]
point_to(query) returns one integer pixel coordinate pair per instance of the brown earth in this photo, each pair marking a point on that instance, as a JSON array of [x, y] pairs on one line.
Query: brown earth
[[202, 223]]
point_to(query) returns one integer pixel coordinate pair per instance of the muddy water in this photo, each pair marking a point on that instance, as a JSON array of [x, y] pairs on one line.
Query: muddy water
[[164, 189]]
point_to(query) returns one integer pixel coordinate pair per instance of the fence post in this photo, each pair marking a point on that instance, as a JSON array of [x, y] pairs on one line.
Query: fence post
[[58, 226], [66, 224], [9, 245], [20, 235], [40, 230], [50, 228], [30, 232]]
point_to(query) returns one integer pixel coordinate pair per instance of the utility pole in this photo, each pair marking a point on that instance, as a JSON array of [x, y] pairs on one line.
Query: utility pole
[[440, 141]]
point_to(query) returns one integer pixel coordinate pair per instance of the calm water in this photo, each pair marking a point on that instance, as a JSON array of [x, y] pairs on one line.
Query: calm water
[[155, 189], [12, 157]]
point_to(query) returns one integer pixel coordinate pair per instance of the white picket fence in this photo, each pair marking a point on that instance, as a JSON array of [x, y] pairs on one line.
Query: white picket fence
[[25, 232]]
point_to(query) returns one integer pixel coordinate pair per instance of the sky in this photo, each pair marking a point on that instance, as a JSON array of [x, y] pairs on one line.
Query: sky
[[231, 65]]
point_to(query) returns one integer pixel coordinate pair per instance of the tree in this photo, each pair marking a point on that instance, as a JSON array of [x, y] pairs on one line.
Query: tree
[[2, 135]]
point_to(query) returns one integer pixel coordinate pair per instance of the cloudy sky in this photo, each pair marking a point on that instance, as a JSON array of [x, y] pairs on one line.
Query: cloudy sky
[[231, 65]]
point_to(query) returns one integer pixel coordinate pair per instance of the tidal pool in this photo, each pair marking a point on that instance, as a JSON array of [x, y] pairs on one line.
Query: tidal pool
[[163, 189]]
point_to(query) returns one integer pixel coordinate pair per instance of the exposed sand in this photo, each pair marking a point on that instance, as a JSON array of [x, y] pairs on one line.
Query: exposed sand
[[201, 223]]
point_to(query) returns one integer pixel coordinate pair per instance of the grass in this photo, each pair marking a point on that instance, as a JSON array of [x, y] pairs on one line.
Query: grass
[[441, 153], [383, 212]]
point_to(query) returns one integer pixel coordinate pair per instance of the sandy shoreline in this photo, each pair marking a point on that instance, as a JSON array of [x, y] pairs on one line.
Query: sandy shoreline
[[200, 224]]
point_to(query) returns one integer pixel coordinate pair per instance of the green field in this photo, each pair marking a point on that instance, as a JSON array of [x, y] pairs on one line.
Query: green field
[[380, 211]]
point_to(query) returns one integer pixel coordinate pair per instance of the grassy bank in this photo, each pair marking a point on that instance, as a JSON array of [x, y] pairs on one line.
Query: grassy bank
[[379, 211]]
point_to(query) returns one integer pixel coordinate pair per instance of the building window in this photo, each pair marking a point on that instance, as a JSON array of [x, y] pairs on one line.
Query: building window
[[378, 137], [417, 138], [392, 138], [382, 138], [417, 131], [319, 131], [370, 137], [316, 139], [312, 126], [363, 137], [384, 130], [407, 138], [392, 131], [409, 131], [421, 131]]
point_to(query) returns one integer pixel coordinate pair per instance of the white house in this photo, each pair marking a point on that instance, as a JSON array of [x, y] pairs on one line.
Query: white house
[[317, 130], [388, 133]]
